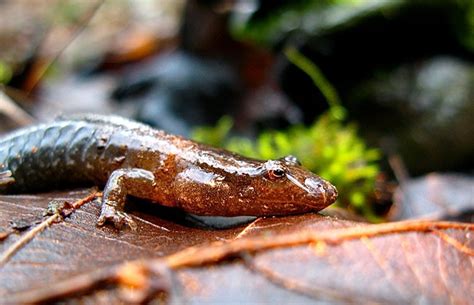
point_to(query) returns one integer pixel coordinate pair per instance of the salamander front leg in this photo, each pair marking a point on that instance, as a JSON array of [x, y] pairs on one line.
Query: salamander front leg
[[122, 182]]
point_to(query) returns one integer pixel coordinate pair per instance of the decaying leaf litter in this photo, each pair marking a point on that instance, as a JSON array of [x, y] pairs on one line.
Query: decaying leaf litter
[[311, 244]]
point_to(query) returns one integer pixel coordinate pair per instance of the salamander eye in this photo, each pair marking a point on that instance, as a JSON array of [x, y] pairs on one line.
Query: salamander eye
[[276, 173]]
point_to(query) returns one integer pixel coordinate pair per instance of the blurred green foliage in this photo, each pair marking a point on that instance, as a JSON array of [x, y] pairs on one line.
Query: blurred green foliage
[[5, 72], [466, 23], [329, 147]]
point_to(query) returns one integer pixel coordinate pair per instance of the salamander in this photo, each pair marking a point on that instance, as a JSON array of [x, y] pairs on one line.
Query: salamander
[[128, 158]]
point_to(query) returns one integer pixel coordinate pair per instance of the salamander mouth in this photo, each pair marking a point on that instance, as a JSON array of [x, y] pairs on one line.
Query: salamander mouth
[[317, 188], [298, 184]]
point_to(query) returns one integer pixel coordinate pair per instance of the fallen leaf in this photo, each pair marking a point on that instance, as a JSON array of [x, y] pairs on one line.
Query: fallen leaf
[[305, 258], [435, 196]]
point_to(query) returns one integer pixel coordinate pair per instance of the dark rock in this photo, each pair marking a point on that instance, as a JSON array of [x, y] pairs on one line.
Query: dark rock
[[179, 90], [425, 110]]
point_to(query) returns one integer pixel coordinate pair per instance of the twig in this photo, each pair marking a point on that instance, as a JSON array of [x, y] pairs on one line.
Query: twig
[[247, 228], [129, 274], [27, 237], [402, 176], [399, 168], [65, 288], [9, 108], [78, 30], [196, 256], [455, 243]]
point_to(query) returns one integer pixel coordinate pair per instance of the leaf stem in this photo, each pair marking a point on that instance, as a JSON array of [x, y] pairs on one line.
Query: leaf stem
[[27, 237]]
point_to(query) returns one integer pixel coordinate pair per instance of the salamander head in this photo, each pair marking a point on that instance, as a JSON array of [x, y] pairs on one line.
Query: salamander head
[[273, 187], [283, 186]]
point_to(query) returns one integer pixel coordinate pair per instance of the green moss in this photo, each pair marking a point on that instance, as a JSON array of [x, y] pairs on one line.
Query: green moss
[[5, 73]]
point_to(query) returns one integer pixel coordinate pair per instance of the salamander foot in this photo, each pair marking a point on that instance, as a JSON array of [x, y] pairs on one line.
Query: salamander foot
[[123, 182], [110, 213]]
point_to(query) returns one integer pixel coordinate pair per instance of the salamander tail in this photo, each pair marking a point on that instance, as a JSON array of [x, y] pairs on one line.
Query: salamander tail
[[6, 177]]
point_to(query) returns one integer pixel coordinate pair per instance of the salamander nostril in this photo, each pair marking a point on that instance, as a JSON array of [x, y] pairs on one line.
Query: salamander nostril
[[331, 192]]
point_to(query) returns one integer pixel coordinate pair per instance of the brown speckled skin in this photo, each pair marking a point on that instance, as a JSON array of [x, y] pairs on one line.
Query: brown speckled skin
[[130, 158]]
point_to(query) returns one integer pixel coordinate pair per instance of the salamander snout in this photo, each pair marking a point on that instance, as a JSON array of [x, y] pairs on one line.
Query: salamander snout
[[322, 187], [331, 193]]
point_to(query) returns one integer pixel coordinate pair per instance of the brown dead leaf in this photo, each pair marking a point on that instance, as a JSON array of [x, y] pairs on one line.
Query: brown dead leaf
[[77, 245], [307, 258]]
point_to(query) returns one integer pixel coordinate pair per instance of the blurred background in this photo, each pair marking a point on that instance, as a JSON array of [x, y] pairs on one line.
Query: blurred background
[[376, 96]]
